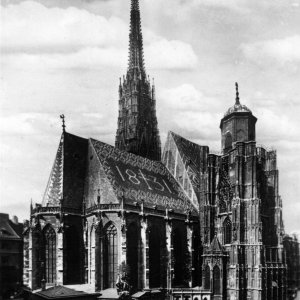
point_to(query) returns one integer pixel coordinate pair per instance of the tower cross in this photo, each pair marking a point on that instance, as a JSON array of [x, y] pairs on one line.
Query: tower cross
[[237, 98], [63, 122]]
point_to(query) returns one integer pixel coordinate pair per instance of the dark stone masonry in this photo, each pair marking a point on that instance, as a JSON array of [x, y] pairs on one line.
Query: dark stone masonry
[[186, 224]]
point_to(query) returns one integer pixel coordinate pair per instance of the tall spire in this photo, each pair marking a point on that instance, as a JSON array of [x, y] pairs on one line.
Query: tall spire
[[137, 123], [237, 95], [136, 53]]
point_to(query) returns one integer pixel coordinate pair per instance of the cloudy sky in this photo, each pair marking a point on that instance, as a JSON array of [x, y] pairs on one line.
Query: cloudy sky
[[66, 56]]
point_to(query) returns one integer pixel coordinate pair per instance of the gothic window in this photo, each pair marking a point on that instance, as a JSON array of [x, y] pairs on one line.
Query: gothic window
[[222, 206], [241, 135], [207, 278], [154, 257], [132, 237], [227, 231], [178, 257], [196, 258], [217, 280], [50, 254], [228, 141], [73, 255], [110, 257]]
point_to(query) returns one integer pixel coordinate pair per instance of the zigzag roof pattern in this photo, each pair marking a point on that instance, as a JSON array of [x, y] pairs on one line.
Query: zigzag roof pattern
[[140, 179], [54, 190]]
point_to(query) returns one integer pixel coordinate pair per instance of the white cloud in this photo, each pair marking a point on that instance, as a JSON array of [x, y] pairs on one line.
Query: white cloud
[[41, 37], [281, 51], [185, 97]]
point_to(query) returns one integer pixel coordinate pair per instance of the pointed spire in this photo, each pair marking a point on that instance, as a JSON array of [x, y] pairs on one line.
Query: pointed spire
[[237, 98], [136, 53]]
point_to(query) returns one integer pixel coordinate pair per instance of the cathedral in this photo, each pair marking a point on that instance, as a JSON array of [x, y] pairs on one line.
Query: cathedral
[[182, 223]]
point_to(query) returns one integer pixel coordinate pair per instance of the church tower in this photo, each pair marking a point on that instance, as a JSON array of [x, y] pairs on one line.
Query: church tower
[[237, 125], [137, 123]]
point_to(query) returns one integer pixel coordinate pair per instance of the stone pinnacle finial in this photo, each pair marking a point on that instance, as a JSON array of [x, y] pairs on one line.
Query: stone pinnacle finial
[[237, 98], [63, 122]]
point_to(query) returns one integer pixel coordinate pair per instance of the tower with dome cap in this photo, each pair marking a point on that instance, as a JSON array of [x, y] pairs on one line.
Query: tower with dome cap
[[237, 125]]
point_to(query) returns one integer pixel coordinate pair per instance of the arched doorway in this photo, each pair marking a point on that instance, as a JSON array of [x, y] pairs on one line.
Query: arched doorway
[[110, 256], [154, 257]]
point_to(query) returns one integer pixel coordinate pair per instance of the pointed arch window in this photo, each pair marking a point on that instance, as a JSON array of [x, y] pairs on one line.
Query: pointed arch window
[[50, 254], [227, 228], [217, 280], [110, 257], [132, 236], [228, 141], [207, 277]]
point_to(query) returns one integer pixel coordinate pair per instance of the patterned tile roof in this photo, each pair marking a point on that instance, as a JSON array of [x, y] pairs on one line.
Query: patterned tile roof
[[54, 189], [66, 181], [140, 179]]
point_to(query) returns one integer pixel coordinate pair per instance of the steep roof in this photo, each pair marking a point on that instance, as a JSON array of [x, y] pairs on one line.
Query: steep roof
[[66, 181], [140, 179], [187, 161], [7, 231]]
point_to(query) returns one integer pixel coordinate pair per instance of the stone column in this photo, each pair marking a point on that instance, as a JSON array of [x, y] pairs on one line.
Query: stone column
[[60, 257], [145, 253], [169, 252], [30, 257], [92, 256], [189, 237]]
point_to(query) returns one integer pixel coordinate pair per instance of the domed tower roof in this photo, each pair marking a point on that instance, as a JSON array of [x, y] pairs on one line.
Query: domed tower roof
[[237, 107], [237, 125]]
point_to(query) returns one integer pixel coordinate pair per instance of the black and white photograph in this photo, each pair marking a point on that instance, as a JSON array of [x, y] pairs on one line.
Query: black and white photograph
[[150, 149]]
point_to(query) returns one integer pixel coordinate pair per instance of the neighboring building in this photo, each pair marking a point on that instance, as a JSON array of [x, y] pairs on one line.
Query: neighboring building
[[11, 255], [192, 226], [291, 247]]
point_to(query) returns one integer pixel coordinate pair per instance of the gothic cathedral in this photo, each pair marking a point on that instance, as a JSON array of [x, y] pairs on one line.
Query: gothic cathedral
[[184, 224]]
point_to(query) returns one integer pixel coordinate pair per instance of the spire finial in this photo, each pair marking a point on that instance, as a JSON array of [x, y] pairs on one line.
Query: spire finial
[[237, 98], [63, 122], [136, 54]]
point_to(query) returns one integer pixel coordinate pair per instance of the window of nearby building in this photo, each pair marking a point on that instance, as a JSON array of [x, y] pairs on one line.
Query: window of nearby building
[[110, 258], [50, 254]]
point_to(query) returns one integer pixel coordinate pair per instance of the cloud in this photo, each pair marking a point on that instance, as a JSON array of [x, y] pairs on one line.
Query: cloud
[[281, 51], [56, 38]]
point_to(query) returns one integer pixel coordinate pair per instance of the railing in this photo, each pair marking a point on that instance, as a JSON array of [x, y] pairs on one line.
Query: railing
[[102, 207], [55, 209]]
